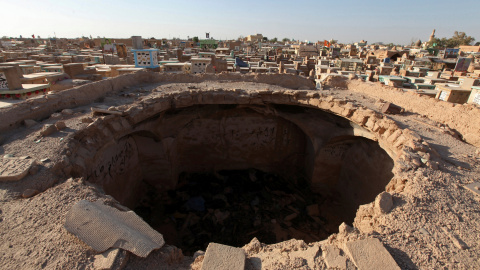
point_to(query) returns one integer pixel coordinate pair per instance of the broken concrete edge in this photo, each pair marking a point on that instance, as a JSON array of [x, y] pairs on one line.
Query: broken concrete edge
[[404, 146], [102, 227], [43, 106], [114, 259]]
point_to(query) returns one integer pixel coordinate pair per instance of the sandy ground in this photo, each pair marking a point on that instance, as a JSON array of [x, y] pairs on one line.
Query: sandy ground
[[430, 206]]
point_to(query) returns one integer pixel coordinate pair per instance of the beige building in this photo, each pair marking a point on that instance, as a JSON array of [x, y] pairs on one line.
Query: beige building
[[255, 38]]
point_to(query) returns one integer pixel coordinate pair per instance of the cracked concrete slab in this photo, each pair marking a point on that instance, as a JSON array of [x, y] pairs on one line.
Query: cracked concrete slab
[[101, 227]]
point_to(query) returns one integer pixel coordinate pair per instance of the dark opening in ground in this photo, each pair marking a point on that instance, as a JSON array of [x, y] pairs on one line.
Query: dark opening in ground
[[227, 174], [232, 207]]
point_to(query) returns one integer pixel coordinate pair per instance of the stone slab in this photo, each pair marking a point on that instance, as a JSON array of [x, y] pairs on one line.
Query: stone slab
[[14, 169], [333, 258], [112, 259], [474, 187], [370, 254], [102, 226], [222, 257]]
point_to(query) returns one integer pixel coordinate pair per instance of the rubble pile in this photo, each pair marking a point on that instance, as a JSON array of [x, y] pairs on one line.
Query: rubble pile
[[232, 207]]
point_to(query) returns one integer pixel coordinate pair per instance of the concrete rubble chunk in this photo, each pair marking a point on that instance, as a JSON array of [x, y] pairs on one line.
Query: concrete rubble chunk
[[112, 259], [383, 203], [105, 111], [48, 129], [101, 227], [222, 257], [67, 111], [14, 169], [60, 125], [29, 193], [345, 229], [333, 258], [370, 254]]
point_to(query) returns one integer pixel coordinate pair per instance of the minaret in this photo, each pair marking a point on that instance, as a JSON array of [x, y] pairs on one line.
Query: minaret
[[432, 36]]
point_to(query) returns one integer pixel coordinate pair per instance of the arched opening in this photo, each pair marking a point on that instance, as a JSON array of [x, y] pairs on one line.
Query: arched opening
[[228, 173]]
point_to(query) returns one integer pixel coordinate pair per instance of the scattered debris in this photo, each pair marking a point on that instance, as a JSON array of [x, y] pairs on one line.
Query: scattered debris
[[391, 108], [232, 207]]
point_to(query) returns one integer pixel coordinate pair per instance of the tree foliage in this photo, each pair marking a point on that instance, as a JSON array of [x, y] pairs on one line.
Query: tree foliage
[[195, 39], [458, 39], [285, 39], [274, 40]]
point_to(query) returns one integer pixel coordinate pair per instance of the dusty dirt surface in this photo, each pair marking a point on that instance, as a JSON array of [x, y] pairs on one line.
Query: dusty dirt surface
[[431, 213]]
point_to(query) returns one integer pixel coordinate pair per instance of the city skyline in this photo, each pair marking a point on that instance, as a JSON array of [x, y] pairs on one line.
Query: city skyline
[[346, 20]]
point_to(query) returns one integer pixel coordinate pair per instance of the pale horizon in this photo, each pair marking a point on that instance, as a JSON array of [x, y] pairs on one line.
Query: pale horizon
[[347, 21]]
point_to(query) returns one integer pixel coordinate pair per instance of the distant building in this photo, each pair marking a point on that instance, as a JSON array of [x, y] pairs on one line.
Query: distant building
[[255, 38]]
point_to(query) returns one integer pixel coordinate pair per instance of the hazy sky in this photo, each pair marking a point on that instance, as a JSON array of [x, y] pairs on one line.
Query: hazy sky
[[345, 20]]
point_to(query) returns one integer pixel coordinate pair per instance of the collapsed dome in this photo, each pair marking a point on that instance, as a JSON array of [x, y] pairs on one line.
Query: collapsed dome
[[159, 169]]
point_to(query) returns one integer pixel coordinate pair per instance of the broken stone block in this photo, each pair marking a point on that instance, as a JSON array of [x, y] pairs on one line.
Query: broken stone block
[[222, 257], [345, 229], [48, 129], [105, 111], [60, 125], [29, 193], [87, 120], [101, 227], [29, 122], [370, 254], [391, 108], [333, 258], [56, 115], [253, 246], [383, 203], [13, 169], [67, 111], [112, 259]]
